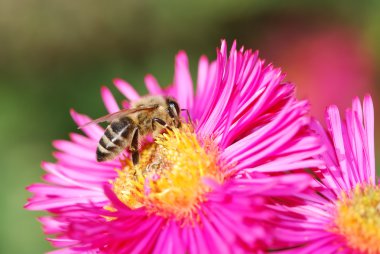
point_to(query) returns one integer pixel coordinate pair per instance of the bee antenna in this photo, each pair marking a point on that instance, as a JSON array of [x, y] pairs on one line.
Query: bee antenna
[[188, 116]]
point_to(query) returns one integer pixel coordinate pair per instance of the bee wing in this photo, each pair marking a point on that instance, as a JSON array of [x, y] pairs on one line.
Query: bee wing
[[118, 114]]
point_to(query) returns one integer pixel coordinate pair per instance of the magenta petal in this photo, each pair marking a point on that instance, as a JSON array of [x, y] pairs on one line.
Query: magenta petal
[[52, 225], [152, 85], [182, 81], [83, 141], [126, 89], [93, 131], [109, 100], [369, 122]]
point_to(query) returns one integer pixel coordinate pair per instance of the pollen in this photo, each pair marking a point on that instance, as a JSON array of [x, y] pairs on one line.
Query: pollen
[[169, 180], [358, 218]]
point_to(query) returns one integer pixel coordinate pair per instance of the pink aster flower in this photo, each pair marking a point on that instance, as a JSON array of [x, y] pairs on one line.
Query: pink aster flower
[[342, 213], [198, 189]]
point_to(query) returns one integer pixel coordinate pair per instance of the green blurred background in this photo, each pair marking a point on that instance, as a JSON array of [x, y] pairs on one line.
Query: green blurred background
[[55, 55]]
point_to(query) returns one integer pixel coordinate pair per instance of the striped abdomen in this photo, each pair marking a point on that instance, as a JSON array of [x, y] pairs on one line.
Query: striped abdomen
[[118, 135]]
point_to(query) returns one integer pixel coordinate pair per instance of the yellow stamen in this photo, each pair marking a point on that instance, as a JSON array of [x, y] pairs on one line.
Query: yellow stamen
[[358, 218], [169, 179]]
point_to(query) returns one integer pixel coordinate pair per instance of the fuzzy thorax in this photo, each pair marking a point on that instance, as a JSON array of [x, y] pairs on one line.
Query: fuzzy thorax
[[358, 218], [169, 180]]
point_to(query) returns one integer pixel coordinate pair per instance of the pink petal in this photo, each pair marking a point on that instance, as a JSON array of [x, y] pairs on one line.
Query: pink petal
[[182, 81], [369, 123], [126, 89], [93, 131], [109, 100], [152, 85]]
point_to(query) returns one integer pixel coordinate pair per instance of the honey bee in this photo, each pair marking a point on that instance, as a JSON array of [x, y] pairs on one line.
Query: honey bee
[[149, 115]]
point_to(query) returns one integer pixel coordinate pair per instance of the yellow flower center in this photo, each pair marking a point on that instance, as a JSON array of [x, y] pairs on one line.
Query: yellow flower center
[[358, 218], [170, 178]]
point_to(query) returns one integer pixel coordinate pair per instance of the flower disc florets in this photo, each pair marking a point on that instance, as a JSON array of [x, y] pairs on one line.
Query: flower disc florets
[[170, 178], [358, 218]]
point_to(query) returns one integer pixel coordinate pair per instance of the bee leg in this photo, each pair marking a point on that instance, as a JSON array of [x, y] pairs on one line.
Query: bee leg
[[134, 147], [160, 122]]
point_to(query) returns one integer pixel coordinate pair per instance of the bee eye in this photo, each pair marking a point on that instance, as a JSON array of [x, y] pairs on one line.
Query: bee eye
[[173, 109], [170, 112]]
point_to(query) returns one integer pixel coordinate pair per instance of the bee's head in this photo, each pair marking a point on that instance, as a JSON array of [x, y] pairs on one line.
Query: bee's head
[[173, 111]]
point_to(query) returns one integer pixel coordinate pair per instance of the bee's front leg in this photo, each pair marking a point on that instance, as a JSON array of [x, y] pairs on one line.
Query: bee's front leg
[[160, 122], [134, 147]]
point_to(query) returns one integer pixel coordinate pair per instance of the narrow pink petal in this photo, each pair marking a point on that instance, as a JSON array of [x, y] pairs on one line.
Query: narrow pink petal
[[149, 237], [83, 141], [334, 177], [279, 166], [209, 98], [353, 132], [203, 67], [55, 170], [215, 225], [269, 146], [203, 87], [223, 48], [93, 131], [75, 149], [178, 244], [83, 175], [161, 242], [193, 245], [47, 204], [326, 245], [152, 85], [41, 189], [369, 124], [62, 251], [73, 161], [301, 236], [199, 240], [62, 242], [218, 113], [52, 225], [170, 240], [336, 133], [126, 89], [109, 100], [182, 81], [287, 116], [357, 107]]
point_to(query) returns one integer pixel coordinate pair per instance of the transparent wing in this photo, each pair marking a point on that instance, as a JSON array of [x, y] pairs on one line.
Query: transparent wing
[[118, 114]]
